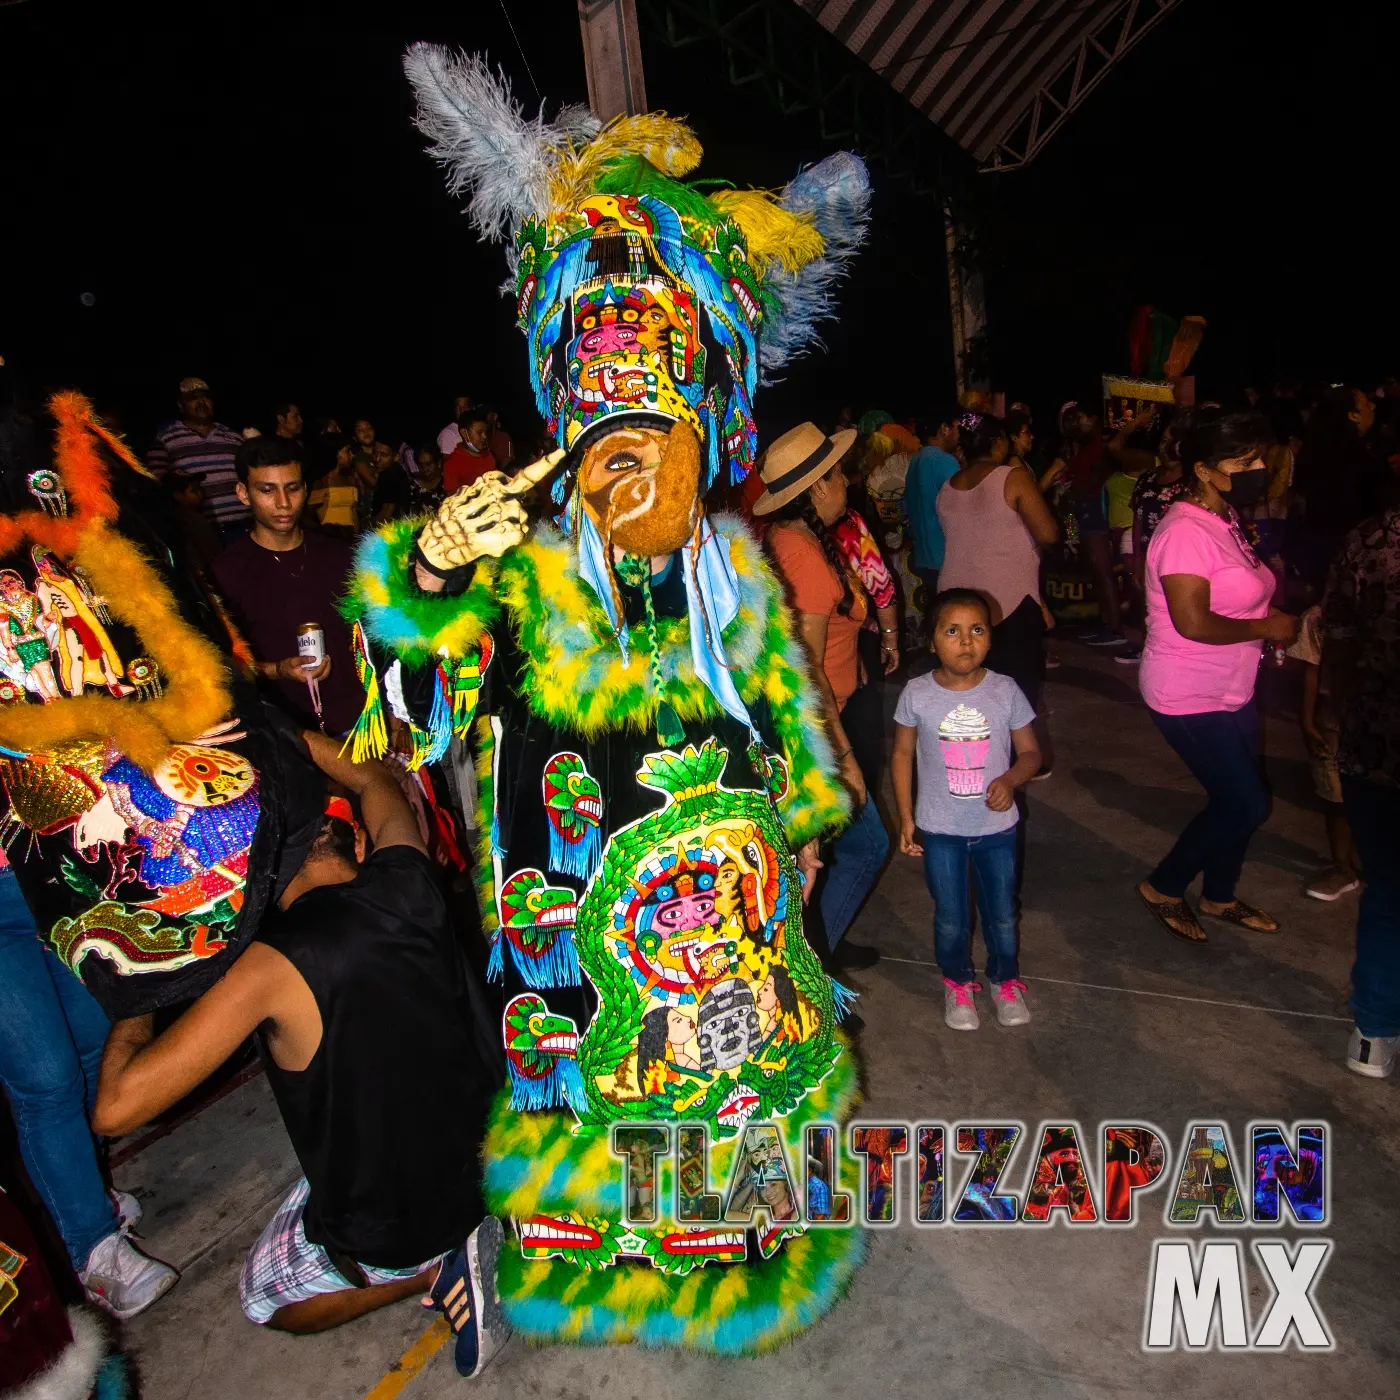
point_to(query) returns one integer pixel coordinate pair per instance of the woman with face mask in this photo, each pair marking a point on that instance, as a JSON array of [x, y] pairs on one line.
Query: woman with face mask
[[1208, 617]]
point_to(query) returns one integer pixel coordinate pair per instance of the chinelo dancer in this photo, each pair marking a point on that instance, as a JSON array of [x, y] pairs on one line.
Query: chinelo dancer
[[653, 774], [147, 799]]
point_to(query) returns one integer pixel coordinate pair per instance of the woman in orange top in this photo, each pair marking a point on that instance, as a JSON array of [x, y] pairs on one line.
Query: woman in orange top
[[806, 496]]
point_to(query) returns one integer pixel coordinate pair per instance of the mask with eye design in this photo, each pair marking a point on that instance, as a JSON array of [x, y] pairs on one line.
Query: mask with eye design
[[641, 486]]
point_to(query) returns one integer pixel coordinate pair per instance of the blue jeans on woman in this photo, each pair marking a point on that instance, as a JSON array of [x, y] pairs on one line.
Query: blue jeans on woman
[[856, 860], [1374, 814], [992, 860], [51, 1038], [1221, 748]]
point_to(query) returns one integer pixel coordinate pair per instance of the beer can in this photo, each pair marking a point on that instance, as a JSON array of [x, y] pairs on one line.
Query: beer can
[[311, 643]]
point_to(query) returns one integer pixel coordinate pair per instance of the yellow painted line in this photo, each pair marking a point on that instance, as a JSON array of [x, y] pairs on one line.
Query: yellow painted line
[[412, 1361]]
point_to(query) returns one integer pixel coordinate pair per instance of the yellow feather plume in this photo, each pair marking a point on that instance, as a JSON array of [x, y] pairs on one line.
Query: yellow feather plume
[[668, 144], [774, 234]]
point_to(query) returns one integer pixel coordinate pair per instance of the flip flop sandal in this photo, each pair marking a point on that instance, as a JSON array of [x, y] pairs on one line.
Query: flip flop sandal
[[1175, 909], [1239, 913]]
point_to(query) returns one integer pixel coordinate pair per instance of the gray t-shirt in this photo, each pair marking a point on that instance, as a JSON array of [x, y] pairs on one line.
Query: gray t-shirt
[[964, 743]]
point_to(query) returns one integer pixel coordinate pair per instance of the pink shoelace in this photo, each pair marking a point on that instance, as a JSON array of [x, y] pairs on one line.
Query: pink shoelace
[[1007, 991], [962, 991]]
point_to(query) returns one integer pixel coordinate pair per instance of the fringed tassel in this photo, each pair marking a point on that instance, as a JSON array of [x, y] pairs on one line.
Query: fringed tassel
[[494, 967], [439, 720], [467, 677], [369, 738], [577, 858], [843, 1000], [562, 1087], [554, 966]]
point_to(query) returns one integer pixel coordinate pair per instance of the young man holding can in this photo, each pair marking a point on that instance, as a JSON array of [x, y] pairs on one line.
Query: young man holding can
[[280, 584]]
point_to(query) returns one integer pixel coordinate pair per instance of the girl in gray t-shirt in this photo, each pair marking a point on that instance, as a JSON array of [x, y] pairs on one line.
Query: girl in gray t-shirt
[[969, 729]]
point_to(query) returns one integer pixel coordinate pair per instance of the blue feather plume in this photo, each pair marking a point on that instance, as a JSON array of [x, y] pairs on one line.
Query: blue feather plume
[[836, 193]]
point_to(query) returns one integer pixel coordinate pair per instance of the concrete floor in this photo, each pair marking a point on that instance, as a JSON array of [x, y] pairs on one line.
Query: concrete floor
[[1127, 1022]]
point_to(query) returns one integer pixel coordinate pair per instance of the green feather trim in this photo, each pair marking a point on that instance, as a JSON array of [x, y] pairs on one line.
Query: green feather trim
[[543, 1163], [729, 1309], [417, 627], [484, 872], [574, 675], [576, 679]]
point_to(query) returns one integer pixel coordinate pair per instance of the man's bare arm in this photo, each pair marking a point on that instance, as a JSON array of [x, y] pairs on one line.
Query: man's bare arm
[[389, 820], [142, 1077]]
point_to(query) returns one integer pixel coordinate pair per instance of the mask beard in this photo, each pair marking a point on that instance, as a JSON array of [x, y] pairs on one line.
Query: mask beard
[[652, 510]]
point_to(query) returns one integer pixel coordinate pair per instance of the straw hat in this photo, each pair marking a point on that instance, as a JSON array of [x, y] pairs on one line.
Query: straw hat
[[794, 461]]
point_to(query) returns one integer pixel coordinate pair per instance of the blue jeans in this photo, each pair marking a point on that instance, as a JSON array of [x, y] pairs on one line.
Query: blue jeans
[[51, 1038], [856, 859], [993, 863], [1221, 748], [1374, 814]]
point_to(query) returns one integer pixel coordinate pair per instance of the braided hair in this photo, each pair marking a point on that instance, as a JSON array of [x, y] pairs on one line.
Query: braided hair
[[801, 508]]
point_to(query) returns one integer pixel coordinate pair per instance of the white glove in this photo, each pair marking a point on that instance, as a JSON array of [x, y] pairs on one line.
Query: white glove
[[483, 518]]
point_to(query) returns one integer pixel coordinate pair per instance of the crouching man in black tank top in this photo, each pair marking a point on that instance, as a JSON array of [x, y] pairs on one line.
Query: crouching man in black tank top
[[361, 1002]]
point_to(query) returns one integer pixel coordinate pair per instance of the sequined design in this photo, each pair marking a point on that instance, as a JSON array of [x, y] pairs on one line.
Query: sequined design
[[76, 619], [46, 486], [144, 674], [24, 638], [174, 843]]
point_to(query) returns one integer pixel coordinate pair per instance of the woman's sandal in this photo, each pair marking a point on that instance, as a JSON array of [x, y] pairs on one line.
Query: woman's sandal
[[1239, 913], [1187, 927]]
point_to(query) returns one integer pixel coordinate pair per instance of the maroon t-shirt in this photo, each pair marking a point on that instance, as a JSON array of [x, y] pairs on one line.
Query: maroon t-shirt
[[1090, 467], [270, 593]]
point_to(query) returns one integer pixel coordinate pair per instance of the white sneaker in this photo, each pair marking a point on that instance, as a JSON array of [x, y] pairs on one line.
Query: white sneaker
[[1331, 884], [1010, 1000], [959, 1010], [122, 1280], [129, 1210], [1372, 1055]]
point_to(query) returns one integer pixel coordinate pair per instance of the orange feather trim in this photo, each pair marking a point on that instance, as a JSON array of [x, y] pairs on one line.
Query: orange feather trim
[[85, 481], [196, 693]]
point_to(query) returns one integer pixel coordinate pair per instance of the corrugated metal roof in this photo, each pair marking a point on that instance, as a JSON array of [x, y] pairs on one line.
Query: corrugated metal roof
[[998, 76]]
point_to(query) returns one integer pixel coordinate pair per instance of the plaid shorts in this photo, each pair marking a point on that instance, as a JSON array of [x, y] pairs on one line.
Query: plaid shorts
[[284, 1267]]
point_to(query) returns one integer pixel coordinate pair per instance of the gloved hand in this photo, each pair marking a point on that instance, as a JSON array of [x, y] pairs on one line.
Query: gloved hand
[[483, 518]]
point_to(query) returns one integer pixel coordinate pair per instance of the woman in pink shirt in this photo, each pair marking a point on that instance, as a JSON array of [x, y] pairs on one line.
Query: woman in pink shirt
[[1208, 616]]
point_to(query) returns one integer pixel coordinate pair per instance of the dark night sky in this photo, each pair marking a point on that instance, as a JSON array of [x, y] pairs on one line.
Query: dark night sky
[[243, 195]]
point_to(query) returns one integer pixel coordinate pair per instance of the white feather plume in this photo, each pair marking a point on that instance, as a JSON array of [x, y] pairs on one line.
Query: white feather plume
[[493, 153]]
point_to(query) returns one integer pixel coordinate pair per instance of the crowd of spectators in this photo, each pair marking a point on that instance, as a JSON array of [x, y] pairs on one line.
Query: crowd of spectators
[[930, 554], [1198, 540]]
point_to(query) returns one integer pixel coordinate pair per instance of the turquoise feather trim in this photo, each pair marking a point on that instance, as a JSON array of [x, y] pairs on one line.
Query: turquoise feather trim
[[783, 1296], [573, 674], [399, 616], [545, 1164]]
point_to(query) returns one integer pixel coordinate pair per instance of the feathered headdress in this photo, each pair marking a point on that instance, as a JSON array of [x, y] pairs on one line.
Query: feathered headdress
[[639, 294]]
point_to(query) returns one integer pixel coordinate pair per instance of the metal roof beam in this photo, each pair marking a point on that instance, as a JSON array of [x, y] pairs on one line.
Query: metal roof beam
[[806, 69], [1129, 21]]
